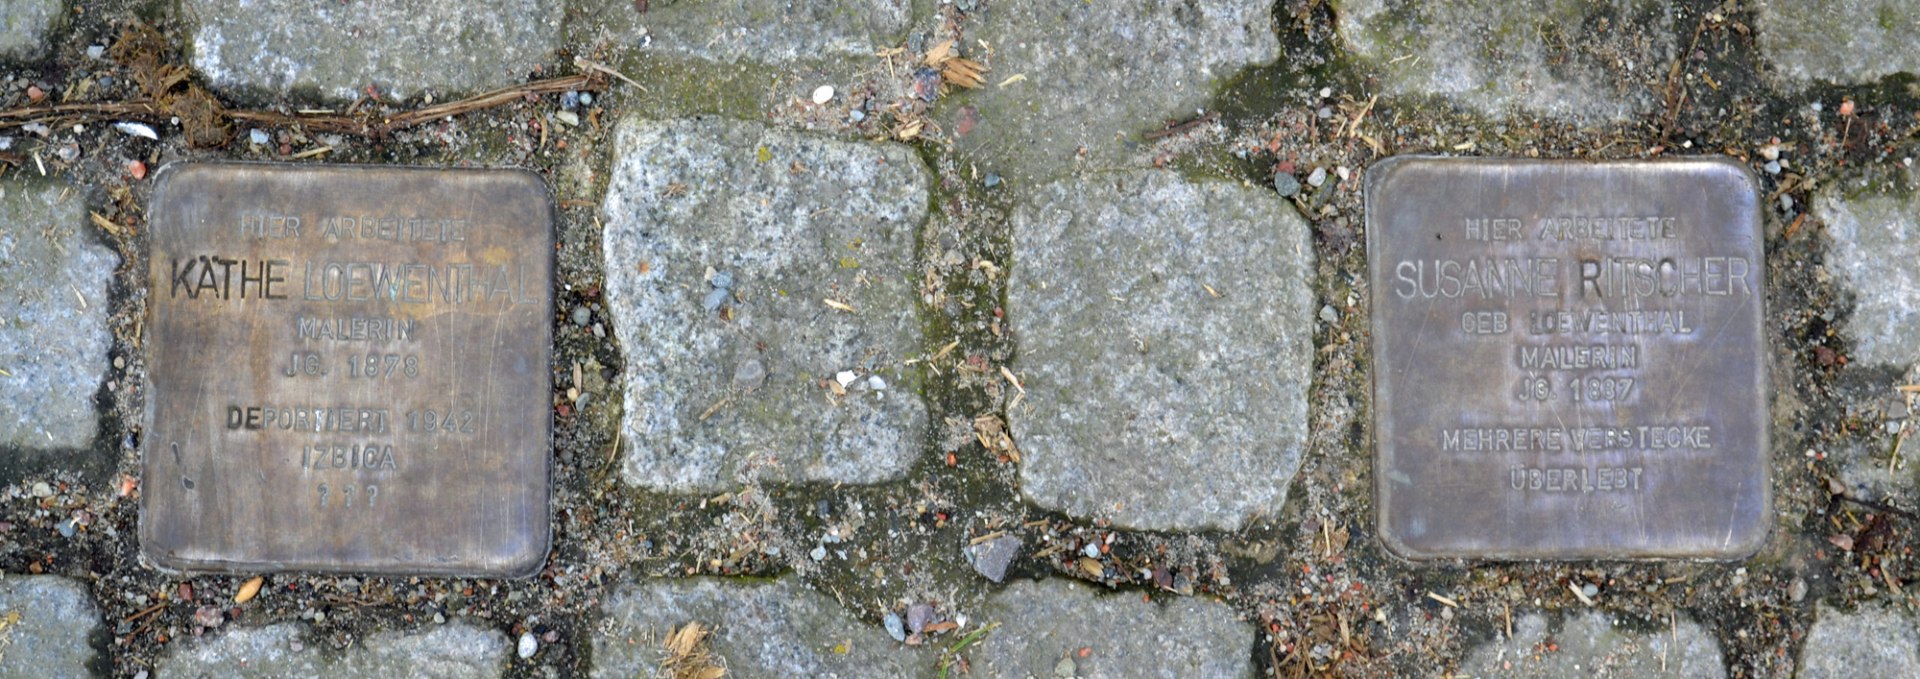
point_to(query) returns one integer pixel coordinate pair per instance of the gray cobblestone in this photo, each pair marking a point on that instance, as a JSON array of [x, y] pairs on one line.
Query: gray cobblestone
[[451, 651], [751, 371], [47, 628], [53, 317], [1165, 333], [398, 49], [1575, 59], [760, 629]]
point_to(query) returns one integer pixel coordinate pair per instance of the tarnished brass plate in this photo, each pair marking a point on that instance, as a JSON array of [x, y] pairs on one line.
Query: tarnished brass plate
[[348, 370], [1567, 358]]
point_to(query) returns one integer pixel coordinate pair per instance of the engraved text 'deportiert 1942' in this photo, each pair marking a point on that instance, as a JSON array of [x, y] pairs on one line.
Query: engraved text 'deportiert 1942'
[[1568, 361], [348, 370]]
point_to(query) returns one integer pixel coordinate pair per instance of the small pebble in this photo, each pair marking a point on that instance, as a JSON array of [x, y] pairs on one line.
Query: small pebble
[[258, 137], [819, 553], [991, 558], [66, 528], [823, 94], [209, 616], [918, 616], [1329, 315], [581, 315], [6, 143], [716, 298], [1325, 113], [439, 618], [992, 180], [926, 84], [1786, 203], [856, 115], [528, 645], [1590, 590], [42, 490], [586, 98], [95, 52], [875, 383], [569, 100], [1318, 177], [1065, 669], [1773, 167], [896, 628], [845, 377], [568, 118], [1092, 551], [1285, 184], [1770, 152], [722, 280]]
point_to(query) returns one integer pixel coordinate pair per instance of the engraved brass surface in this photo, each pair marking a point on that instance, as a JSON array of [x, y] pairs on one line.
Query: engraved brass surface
[[348, 370], [1568, 359]]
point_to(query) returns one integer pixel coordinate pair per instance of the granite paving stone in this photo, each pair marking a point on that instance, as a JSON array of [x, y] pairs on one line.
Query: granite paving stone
[[47, 628], [24, 25], [1165, 345], [759, 629], [761, 283], [1044, 627], [54, 278], [1873, 238], [346, 50], [1839, 41], [1872, 641], [1575, 59], [456, 650], [1590, 644], [1095, 76]]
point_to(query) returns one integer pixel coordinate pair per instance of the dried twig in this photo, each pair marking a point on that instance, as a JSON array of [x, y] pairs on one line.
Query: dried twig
[[363, 124]]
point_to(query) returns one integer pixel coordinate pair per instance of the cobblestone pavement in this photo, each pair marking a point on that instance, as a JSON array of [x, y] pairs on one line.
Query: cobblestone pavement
[[1008, 338]]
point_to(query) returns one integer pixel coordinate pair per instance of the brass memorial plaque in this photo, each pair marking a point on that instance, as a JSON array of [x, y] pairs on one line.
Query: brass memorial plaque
[[348, 370], [1568, 361]]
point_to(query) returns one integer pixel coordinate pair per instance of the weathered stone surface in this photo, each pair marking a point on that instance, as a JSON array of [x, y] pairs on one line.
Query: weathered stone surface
[[1098, 74], [46, 625], [752, 372], [1882, 461], [53, 343], [452, 651], [1575, 59], [1165, 332], [760, 629], [1873, 238], [399, 49], [1589, 645], [1870, 642], [763, 31], [23, 27], [746, 58], [1044, 622], [991, 558], [1839, 41]]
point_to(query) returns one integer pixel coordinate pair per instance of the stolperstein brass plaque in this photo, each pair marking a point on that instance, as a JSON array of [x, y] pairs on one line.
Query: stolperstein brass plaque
[[1568, 358], [348, 370]]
